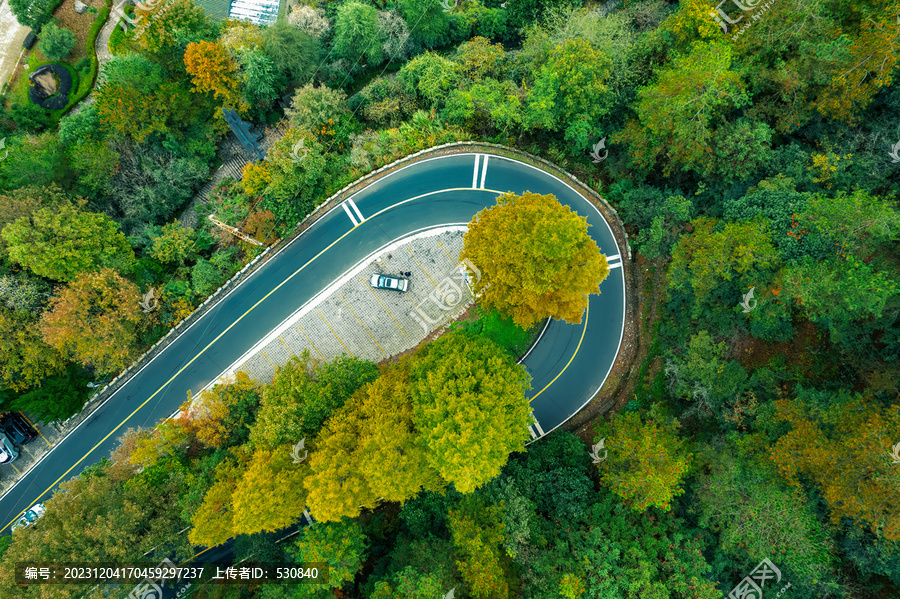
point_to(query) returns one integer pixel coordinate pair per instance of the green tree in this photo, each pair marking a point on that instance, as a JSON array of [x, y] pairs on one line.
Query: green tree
[[95, 320], [317, 108], [526, 12], [173, 244], [222, 416], [25, 360], [294, 54], [432, 76], [470, 408], [302, 396], [857, 221], [258, 77], [32, 13], [39, 160], [715, 253], [337, 487], [213, 522], [356, 35], [56, 42], [94, 518], [570, 92], [677, 116], [754, 516], [430, 24], [390, 456], [341, 545], [646, 462], [269, 496], [480, 59], [136, 100], [704, 375], [294, 175], [62, 242], [486, 107], [836, 292], [536, 258], [656, 241], [477, 531], [166, 29]]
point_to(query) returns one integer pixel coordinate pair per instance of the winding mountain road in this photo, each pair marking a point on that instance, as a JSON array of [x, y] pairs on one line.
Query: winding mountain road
[[568, 365]]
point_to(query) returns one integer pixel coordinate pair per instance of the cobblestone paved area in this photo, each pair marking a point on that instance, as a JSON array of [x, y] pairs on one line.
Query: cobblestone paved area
[[350, 317]]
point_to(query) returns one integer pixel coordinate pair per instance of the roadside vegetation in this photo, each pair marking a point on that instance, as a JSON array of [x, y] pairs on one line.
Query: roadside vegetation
[[756, 175]]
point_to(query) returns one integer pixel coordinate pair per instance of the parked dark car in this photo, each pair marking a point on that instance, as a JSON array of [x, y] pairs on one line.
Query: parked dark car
[[19, 429]]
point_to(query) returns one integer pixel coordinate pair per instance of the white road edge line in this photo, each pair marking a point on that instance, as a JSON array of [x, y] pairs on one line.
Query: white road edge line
[[271, 258], [313, 302]]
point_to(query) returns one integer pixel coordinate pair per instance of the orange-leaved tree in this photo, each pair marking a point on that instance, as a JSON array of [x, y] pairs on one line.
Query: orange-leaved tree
[[95, 320], [845, 450], [213, 69]]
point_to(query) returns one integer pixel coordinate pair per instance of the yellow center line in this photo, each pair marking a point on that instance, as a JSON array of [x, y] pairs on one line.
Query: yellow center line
[[375, 295], [36, 428], [285, 345], [299, 328], [335, 334], [233, 324], [364, 327], [577, 347]]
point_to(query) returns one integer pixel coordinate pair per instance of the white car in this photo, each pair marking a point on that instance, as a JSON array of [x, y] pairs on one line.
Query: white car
[[380, 281], [8, 450], [29, 517]]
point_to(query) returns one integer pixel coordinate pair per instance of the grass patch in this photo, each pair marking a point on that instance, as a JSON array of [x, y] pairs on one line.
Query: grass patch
[[502, 331]]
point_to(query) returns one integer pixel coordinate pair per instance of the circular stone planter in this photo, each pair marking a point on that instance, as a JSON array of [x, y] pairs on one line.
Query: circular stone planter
[[50, 86]]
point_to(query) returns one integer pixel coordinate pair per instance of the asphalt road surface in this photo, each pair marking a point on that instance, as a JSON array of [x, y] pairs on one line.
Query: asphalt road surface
[[568, 365]]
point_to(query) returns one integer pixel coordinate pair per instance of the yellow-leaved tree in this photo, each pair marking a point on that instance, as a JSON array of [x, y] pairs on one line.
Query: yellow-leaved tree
[[536, 258]]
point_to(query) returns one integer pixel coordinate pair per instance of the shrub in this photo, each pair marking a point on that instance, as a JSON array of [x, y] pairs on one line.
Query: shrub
[[56, 42]]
